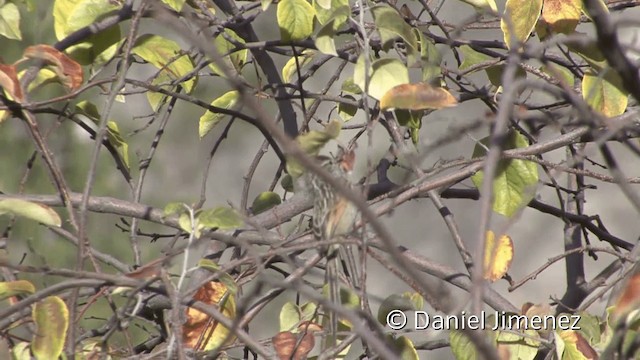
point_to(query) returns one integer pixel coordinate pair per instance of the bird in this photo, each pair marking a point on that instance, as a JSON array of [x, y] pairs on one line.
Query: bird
[[333, 216]]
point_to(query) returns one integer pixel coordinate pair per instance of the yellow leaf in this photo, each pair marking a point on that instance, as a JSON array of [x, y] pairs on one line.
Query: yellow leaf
[[418, 96], [604, 93], [497, 256], [562, 16], [519, 19]]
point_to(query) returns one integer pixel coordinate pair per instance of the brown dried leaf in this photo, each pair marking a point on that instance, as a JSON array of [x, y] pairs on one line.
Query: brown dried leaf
[[418, 96], [288, 346], [69, 71], [630, 298], [200, 331], [10, 83]]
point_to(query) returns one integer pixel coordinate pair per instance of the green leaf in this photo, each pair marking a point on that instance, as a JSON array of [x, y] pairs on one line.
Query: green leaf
[[338, 11], [408, 301], [588, 49], [223, 218], [519, 20], [21, 351], [391, 25], [295, 19], [347, 111], [291, 67], [18, 287], [51, 317], [287, 183], [324, 40], [165, 55], [605, 94], [210, 119], [10, 22], [483, 5], [404, 348], [429, 57], [72, 15], [560, 73], [175, 4], [515, 182], [232, 59], [311, 143], [30, 210], [348, 85], [88, 109], [265, 201], [174, 208], [385, 74]]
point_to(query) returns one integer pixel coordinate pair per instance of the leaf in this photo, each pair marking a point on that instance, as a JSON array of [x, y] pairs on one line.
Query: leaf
[[291, 67], [483, 5], [515, 180], [429, 57], [175, 4], [493, 70], [348, 85], [45, 76], [51, 317], [519, 20], [88, 109], [68, 71], [462, 347], [290, 346], [265, 201], [173, 208], [347, 111], [165, 55], [404, 348], [287, 183], [210, 119], [295, 19], [18, 287], [339, 11], [232, 59], [224, 277], [292, 315], [588, 49], [30, 210], [10, 83], [576, 347], [408, 301], [384, 75], [222, 217], [561, 16], [518, 347], [391, 25], [202, 333], [629, 299], [10, 21], [72, 15], [420, 96], [604, 94], [560, 73], [324, 39], [498, 254], [21, 351]]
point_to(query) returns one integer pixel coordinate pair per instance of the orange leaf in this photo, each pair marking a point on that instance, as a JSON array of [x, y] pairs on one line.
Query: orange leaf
[[630, 298], [69, 71], [497, 256], [418, 96], [289, 346], [200, 331], [9, 81]]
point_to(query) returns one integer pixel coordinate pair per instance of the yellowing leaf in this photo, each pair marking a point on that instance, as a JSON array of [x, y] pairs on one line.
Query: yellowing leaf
[[311, 143], [483, 5], [166, 56], [391, 25], [324, 39], [202, 333], [175, 4], [291, 67], [210, 119], [68, 71], [232, 59], [30, 210], [561, 16], [497, 256], [295, 19], [604, 94], [420, 96], [18, 287], [339, 11], [51, 317], [384, 75], [519, 19], [10, 21], [515, 180]]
